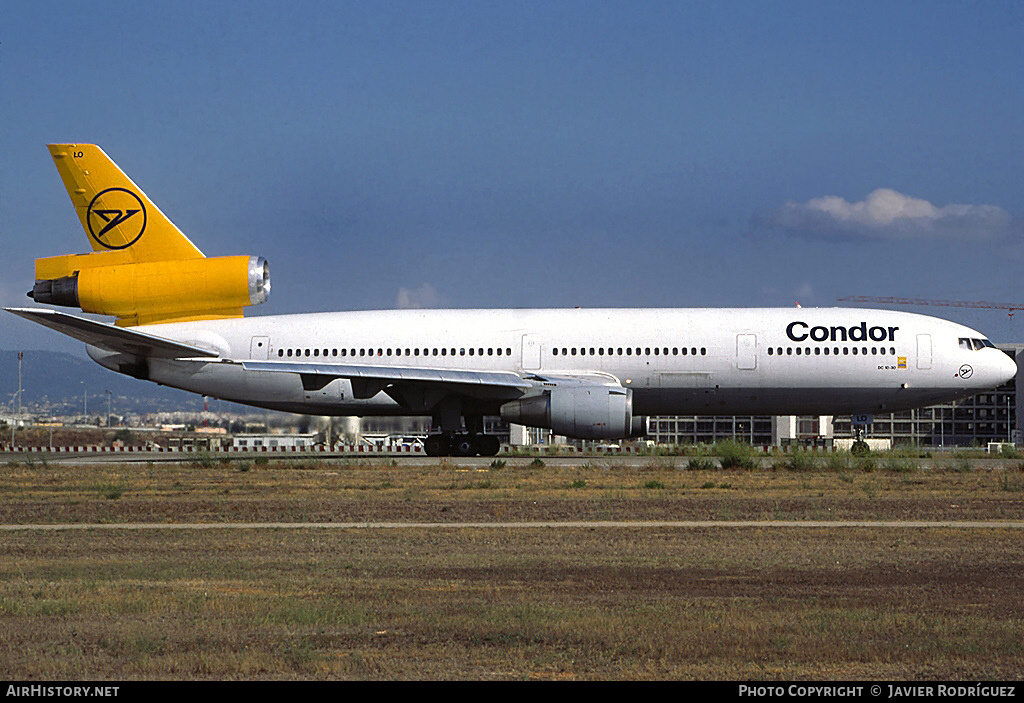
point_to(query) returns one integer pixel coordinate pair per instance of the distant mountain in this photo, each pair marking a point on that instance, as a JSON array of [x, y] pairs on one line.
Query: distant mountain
[[54, 382]]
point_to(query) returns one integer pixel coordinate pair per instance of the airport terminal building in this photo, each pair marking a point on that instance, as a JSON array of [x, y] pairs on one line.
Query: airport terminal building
[[994, 416]]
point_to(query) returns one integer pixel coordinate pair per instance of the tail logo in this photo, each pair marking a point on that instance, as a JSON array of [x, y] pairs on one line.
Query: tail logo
[[116, 218]]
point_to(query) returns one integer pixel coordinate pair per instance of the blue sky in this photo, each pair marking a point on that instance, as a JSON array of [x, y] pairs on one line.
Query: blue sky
[[537, 154]]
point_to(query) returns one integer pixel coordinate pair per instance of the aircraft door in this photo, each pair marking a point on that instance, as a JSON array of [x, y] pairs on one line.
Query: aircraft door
[[259, 348], [924, 351], [746, 351], [531, 352]]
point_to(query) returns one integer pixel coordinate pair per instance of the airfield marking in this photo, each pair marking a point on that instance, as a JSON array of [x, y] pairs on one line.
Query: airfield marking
[[684, 524]]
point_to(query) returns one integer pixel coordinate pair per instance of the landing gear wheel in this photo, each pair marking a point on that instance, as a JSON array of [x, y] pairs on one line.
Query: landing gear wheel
[[437, 445], [464, 445]]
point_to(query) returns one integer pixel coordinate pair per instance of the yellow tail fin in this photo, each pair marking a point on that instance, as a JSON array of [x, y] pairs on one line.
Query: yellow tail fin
[[142, 269], [115, 214]]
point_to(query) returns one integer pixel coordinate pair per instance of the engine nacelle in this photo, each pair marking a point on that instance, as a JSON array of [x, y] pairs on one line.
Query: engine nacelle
[[156, 291], [589, 411]]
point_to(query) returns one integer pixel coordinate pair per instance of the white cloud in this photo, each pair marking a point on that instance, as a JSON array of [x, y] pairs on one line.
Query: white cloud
[[425, 296], [887, 214], [805, 292]]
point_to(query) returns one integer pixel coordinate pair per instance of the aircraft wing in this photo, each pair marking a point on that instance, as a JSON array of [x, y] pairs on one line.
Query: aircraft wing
[[368, 380], [116, 339]]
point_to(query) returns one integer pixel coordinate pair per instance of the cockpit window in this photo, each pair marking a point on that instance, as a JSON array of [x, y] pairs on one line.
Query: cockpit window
[[971, 344]]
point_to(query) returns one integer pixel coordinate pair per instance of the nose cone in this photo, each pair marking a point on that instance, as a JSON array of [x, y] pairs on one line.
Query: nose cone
[[1006, 368]]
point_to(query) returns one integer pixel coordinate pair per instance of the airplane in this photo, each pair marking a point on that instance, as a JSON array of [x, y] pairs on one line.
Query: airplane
[[583, 373]]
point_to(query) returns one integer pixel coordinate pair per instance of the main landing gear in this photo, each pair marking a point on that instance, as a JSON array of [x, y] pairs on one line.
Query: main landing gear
[[453, 441], [461, 445]]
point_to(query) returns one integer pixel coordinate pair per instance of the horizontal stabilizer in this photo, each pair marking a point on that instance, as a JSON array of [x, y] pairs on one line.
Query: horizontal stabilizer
[[116, 339]]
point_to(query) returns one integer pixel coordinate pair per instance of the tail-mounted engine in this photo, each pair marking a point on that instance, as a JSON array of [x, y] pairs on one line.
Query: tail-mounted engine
[[140, 293]]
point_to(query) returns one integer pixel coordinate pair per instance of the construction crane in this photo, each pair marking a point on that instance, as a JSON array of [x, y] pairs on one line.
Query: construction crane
[[893, 300]]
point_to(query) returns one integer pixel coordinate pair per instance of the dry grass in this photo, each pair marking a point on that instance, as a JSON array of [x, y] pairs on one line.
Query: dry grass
[[507, 603]]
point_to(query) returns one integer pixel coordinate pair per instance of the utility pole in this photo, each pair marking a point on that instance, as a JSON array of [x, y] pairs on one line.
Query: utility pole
[[21, 355], [109, 395]]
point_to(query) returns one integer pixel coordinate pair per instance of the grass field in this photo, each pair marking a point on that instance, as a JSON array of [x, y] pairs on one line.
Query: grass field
[[453, 602]]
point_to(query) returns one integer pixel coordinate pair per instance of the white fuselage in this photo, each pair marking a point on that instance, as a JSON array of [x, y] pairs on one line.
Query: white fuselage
[[714, 361]]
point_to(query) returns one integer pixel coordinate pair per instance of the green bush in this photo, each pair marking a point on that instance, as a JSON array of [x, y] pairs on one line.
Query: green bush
[[736, 455], [801, 461], [699, 463]]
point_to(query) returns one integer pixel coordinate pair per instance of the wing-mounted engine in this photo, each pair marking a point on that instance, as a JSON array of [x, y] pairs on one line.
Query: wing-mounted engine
[[584, 408]]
